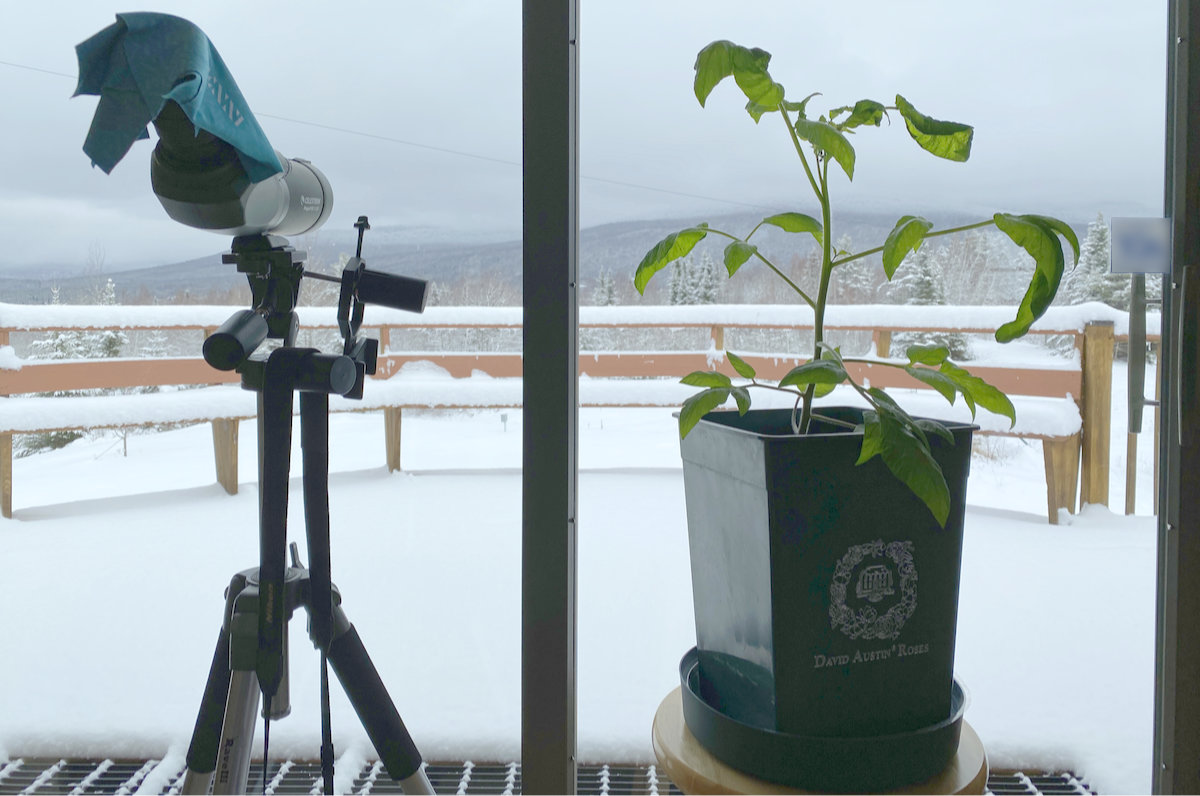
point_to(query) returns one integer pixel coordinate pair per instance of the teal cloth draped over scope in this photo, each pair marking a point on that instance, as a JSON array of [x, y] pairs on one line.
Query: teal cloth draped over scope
[[142, 60]]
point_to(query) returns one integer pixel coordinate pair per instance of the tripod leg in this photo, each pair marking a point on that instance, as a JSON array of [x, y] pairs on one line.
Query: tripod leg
[[237, 734], [202, 752], [376, 710]]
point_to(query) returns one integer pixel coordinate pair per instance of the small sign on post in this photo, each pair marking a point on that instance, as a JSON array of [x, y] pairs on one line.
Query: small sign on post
[[1140, 246]]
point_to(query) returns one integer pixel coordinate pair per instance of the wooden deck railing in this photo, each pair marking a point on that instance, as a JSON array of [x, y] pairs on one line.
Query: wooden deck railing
[[1086, 382]]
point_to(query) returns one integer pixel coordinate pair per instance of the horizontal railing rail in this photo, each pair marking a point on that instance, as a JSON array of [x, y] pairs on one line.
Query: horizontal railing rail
[[1094, 328]]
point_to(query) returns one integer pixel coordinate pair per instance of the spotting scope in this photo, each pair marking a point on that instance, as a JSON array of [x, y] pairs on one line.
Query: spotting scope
[[213, 167]]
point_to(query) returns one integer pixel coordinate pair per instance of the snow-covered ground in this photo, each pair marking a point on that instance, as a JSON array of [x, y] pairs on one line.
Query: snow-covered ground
[[114, 567]]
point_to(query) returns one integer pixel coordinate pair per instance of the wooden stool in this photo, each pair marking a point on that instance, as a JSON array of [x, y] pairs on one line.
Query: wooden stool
[[694, 770]]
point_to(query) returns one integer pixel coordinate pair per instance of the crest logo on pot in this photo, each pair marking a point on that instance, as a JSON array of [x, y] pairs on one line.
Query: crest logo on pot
[[871, 609]]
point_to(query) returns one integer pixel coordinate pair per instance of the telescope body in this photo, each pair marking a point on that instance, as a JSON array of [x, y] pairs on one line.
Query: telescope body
[[200, 182]]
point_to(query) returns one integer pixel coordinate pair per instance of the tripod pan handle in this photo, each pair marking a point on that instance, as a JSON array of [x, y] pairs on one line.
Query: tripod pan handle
[[237, 338]]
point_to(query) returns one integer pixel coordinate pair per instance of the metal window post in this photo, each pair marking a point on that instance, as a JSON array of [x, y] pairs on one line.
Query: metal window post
[[1177, 671], [550, 79]]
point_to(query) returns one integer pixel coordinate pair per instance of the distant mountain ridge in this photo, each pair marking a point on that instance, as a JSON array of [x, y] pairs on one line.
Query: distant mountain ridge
[[435, 256]]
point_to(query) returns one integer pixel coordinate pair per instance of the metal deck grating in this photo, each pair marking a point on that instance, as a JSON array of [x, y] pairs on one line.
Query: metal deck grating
[[50, 776]]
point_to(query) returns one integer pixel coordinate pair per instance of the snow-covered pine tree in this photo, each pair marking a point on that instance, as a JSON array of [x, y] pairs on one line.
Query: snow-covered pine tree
[[109, 342], [1090, 280], [678, 283], [707, 279], [605, 292], [918, 282]]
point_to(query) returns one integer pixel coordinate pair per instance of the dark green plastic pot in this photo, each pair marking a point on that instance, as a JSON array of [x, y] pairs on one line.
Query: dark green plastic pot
[[825, 593]]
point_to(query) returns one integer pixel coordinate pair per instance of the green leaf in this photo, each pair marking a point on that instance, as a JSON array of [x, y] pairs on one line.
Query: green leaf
[[932, 355], [905, 451], [905, 237], [872, 444], [742, 396], [713, 64], [937, 380], [796, 222], [949, 140], [748, 67], [1040, 239], [666, 251], [706, 378], [799, 107], [936, 428], [736, 255], [977, 391], [698, 406], [863, 112], [740, 365], [828, 139], [823, 389], [1061, 228], [817, 371]]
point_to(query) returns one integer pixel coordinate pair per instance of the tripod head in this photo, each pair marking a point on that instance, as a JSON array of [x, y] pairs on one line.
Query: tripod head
[[274, 270]]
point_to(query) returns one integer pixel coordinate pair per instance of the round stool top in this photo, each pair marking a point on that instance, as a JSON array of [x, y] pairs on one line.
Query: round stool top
[[694, 770]]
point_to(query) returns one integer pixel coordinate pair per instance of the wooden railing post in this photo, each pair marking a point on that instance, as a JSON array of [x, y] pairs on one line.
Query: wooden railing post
[[883, 342], [6, 485], [391, 435], [718, 337], [1096, 407], [225, 450]]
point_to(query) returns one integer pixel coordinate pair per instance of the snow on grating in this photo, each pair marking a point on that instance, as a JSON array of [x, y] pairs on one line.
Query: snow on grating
[[50, 776]]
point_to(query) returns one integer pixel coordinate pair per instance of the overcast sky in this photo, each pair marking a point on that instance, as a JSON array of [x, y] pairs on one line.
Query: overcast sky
[[1066, 96]]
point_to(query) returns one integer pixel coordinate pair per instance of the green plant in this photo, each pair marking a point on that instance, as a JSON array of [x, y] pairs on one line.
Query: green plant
[[888, 431]]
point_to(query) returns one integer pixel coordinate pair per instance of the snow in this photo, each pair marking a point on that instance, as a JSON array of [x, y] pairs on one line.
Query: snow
[[1058, 319], [114, 569]]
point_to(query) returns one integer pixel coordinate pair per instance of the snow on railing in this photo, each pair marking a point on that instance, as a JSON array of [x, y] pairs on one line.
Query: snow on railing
[[1057, 320]]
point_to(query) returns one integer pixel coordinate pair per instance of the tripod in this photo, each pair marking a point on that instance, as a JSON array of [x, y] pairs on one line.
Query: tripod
[[251, 652]]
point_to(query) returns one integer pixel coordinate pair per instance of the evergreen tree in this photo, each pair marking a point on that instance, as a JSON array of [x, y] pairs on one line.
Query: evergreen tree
[[919, 283], [606, 289], [708, 280], [1090, 280], [676, 285]]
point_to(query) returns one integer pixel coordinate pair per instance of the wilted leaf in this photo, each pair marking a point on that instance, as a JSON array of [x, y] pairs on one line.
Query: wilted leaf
[[949, 140], [721, 59], [864, 112], [1040, 240]]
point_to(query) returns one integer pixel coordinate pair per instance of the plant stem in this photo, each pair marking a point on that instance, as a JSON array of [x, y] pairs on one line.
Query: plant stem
[[807, 299], [823, 289], [851, 258], [787, 121]]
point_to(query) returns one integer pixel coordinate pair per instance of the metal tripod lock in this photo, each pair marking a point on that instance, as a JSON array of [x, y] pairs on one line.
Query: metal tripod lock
[[251, 657]]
